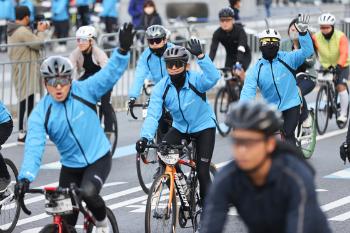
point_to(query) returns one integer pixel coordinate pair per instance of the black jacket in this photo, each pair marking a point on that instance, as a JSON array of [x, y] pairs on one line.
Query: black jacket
[[149, 20], [286, 203]]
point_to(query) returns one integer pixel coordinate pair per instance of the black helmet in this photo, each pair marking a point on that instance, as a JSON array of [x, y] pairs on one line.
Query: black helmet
[[56, 66], [176, 53], [226, 12], [254, 115], [156, 31]]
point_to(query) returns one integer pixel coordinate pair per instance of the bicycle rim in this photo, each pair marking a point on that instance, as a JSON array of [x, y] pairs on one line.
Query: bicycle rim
[[160, 217], [112, 223], [322, 110], [9, 208], [221, 105], [340, 124], [146, 165]]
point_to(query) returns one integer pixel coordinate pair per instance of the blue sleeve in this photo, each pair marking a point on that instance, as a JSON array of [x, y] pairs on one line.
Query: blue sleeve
[[154, 112], [297, 57], [141, 73], [131, 8], [109, 5], [12, 14], [209, 75], [104, 80], [34, 145], [59, 7], [250, 85]]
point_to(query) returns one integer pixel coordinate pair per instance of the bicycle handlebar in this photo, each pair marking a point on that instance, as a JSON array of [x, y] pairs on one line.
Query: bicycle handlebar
[[131, 108]]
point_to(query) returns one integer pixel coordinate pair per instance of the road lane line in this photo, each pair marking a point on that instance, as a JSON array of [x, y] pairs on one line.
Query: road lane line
[[340, 218], [335, 204]]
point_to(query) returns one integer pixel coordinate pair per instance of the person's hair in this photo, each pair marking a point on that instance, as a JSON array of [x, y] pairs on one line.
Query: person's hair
[[150, 3], [233, 2], [21, 12], [313, 43]]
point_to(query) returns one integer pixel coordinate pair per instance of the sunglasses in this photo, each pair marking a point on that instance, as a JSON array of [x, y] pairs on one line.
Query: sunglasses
[[155, 40], [83, 40], [54, 82], [225, 20], [177, 64], [264, 43], [246, 142], [325, 27]]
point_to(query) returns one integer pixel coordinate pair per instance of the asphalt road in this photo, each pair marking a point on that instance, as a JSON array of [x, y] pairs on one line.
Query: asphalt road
[[124, 195]]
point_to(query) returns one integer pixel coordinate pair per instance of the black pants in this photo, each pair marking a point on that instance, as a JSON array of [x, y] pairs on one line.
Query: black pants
[[306, 85], [61, 30], [111, 25], [22, 109], [291, 120], [205, 141], [246, 59], [91, 180], [5, 132], [107, 111], [83, 16]]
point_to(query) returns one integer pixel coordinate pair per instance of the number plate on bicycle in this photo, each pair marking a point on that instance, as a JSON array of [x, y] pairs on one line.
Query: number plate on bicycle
[[170, 158], [325, 77], [58, 205]]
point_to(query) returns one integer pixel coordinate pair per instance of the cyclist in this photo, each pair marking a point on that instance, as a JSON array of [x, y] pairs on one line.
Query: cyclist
[[306, 73], [88, 57], [66, 114], [233, 37], [151, 65], [268, 182], [274, 75], [182, 93], [332, 47], [6, 126]]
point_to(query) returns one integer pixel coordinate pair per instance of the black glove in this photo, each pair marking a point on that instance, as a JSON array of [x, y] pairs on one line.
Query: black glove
[[302, 23], [195, 47], [330, 69], [126, 36], [141, 145], [22, 187], [344, 152], [131, 102]]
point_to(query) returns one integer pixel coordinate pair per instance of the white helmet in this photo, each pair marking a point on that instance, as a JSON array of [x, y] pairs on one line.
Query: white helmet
[[269, 33], [86, 32], [326, 19]]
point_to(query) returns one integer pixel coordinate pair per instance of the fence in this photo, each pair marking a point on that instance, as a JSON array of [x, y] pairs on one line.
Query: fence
[[180, 34]]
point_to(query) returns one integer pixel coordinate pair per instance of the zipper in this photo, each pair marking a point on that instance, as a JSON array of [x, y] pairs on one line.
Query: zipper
[[178, 97], [161, 68], [75, 138], [274, 82]]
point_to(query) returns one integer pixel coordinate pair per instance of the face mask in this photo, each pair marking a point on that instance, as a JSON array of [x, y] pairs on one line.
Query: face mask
[[149, 10], [159, 51], [329, 35], [294, 35], [178, 79], [269, 52]]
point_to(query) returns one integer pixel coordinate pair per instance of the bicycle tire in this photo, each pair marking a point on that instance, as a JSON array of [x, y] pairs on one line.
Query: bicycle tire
[[219, 98], [112, 222], [13, 171], [339, 124], [113, 135], [145, 172], [323, 89], [53, 228], [155, 186]]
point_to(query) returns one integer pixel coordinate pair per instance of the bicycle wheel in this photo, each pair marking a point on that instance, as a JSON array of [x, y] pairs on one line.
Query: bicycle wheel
[[112, 223], [160, 210], [112, 134], [9, 206], [146, 165], [306, 137], [322, 109], [340, 124], [221, 104]]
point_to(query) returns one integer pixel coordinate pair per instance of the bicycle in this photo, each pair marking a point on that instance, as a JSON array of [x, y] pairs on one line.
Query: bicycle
[[113, 134], [327, 101], [161, 201], [9, 207], [227, 94], [59, 203]]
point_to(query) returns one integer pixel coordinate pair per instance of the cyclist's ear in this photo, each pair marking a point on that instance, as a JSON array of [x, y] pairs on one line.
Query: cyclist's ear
[[270, 144]]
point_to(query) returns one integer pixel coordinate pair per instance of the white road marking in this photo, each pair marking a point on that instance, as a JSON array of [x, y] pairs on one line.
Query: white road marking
[[341, 217], [335, 204]]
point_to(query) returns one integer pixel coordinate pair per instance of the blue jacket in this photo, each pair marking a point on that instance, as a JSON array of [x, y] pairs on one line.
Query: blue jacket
[[29, 4], [59, 9], [135, 10], [7, 10], [149, 66], [4, 113], [190, 112], [276, 83], [109, 8], [72, 126], [84, 2]]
